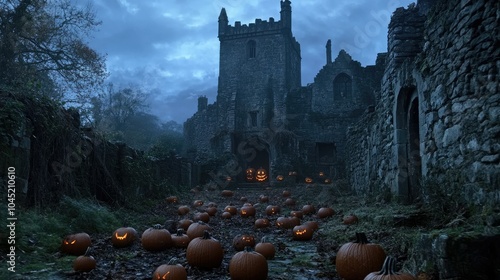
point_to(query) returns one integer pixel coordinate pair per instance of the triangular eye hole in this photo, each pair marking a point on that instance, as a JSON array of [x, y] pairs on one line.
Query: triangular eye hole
[[73, 242]]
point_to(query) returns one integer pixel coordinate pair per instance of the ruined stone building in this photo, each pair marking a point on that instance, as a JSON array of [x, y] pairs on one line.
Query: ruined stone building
[[427, 112], [264, 117]]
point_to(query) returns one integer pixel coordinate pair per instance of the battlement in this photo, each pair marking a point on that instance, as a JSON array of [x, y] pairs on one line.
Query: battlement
[[258, 26]]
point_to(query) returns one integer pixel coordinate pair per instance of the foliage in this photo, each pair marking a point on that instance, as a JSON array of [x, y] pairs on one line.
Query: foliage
[[42, 46]]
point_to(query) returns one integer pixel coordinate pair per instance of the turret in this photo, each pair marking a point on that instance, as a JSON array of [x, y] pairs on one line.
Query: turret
[[223, 22], [202, 103], [286, 14], [328, 52]]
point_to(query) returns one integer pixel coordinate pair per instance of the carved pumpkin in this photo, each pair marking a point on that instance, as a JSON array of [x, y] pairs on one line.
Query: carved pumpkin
[[355, 260], [250, 174], [172, 199], [266, 249], [197, 230], [328, 181], [156, 239], [302, 232], [197, 203], [261, 175], [204, 252], [308, 180], [350, 219], [262, 223], [325, 212], [283, 222], [272, 210], [388, 272], [243, 240], [84, 263], [180, 239], [247, 211], [292, 173], [248, 264], [231, 209], [123, 237], [170, 272], [321, 174], [227, 193], [280, 178], [76, 244]]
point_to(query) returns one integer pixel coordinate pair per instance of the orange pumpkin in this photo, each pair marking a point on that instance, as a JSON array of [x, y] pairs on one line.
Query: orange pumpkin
[[243, 240], [250, 174], [263, 198], [308, 209], [201, 216], [280, 178], [325, 212], [227, 193], [231, 209], [298, 214], [226, 215], [76, 244], [197, 229], [312, 225], [156, 239], [272, 210], [388, 272], [308, 180], [247, 265], [197, 203], [170, 272], [289, 202], [262, 223], [261, 175], [247, 211], [180, 239], [266, 249], [123, 237], [204, 252], [302, 232], [84, 263], [350, 219], [285, 193], [172, 199], [184, 224], [355, 260], [183, 210]]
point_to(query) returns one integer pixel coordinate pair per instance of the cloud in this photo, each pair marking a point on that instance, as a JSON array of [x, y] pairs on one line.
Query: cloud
[[171, 49]]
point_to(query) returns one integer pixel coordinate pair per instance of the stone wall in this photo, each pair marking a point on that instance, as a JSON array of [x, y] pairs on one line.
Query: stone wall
[[438, 118]]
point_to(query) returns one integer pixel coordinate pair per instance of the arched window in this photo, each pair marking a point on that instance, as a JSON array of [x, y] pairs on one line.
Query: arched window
[[342, 87], [251, 49]]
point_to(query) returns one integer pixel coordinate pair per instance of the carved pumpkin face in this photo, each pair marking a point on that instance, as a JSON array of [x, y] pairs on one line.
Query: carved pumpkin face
[[328, 181], [76, 244], [242, 241], [321, 174], [229, 179], [309, 180], [123, 236], [302, 232], [167, 271], [250, 173], [292, 173], [261, 175], [280, 178]]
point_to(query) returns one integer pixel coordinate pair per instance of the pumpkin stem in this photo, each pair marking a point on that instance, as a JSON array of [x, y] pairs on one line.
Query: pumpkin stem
[[157, 226], [206, 234], [361, 238], [180, 232], [389, 266]]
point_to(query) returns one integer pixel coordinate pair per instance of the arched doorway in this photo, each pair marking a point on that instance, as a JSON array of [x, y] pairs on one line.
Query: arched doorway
[[253, 153], [407, 141]]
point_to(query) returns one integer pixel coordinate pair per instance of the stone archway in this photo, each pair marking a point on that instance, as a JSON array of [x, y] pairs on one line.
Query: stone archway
[[407, 145]]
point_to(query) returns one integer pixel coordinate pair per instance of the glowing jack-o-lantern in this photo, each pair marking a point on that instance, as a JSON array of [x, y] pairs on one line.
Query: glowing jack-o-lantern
[[250, 174], [247, 211], [123, 237], [292, 173], [76, 244], [272, 210], [308, 180], [280, 178], [321, 174], [243, 240], [328, 181], [302, 232], [261, 175]]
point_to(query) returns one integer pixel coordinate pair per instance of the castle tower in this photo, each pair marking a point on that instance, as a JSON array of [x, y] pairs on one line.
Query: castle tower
[[286, 14], [202, 103], [223, 22], [328, 52]]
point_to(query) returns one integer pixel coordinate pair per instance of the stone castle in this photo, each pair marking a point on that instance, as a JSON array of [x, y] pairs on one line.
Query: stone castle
[[429, 106]]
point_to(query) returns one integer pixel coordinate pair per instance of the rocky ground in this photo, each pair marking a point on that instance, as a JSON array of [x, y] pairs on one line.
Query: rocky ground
[[299, 260]]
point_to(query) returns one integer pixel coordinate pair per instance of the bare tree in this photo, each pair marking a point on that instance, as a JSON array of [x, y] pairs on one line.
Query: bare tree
[[42, 39]]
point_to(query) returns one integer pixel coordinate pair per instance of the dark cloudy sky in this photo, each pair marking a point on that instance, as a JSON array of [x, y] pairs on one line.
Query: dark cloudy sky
[[170, 48]]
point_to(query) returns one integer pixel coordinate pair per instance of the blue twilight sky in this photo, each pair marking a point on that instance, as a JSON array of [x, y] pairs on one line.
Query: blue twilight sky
[[170, 49]]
